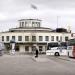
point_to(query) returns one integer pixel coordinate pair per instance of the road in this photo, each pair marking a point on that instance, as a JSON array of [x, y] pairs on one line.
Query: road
[[28, 65]]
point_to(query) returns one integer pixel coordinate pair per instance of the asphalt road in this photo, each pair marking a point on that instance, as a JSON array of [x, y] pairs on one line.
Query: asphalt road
[[28, 65]]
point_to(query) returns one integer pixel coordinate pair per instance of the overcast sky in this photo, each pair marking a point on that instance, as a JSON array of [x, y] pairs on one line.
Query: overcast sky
[[47, 10]]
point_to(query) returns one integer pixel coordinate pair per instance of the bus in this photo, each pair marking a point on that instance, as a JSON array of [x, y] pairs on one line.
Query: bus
[[56, 48], [71, 48]]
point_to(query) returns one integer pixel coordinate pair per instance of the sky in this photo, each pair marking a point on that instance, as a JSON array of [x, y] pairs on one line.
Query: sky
[[53, 13]]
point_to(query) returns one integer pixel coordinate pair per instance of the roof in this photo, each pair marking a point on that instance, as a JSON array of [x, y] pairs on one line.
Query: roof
[[32, 29], [29, 19], [25, 29]]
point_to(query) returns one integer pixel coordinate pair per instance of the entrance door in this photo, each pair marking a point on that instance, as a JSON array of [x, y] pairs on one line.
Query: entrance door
[[40, 49], [17, 48], [33, 49], [27, 49]]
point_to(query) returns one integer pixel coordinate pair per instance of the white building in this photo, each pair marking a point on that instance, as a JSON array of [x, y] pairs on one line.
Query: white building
[[30, 33]]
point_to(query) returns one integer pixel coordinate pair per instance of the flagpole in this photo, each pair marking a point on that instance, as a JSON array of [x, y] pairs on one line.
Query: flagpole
[[34, 7], [57, 20]]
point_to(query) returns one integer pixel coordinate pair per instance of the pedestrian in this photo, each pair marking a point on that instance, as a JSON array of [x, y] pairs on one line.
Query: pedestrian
[[36, 53]]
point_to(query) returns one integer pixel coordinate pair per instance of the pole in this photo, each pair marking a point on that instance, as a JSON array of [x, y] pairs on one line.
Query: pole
[[57, 20]]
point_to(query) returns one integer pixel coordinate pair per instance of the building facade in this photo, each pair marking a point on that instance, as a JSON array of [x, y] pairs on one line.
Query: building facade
[[29, 34]]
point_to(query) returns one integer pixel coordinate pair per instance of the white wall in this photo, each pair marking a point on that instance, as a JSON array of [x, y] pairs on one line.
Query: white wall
[[22, 48]]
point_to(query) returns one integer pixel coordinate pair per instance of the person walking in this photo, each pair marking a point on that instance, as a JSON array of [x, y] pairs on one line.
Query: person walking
[[36, 53]]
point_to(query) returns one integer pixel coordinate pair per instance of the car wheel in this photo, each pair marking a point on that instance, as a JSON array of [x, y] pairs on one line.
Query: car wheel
[[57, 54]]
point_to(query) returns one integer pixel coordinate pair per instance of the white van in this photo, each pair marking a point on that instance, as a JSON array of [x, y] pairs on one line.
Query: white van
[[56, 49]]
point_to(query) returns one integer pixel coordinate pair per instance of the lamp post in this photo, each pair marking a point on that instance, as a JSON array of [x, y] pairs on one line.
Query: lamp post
[[12, 43]]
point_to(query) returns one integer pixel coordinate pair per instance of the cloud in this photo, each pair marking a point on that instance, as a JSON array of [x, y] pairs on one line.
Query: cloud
[[3, 17], [48, 10]]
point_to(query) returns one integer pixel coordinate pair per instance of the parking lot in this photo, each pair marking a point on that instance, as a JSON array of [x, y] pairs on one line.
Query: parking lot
[[43, 65]]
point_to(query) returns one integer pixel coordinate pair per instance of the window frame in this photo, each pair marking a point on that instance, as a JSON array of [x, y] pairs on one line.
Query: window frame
[[40, 38], [19, 38], [2, 38], [7, 38], [26, 38], [33, 38], [46, 38], [52, 38]]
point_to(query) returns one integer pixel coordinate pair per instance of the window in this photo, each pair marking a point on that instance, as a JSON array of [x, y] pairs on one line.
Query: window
[[16, 47], [40, 38], [19, 38], [22, 24], [26, 48], [13, 38], [60, 38], [33, 49], [40, 48], [26, 38], [46, 38], [57, 38], [38, 24], [25, 24], [66, 38], [33, 38], [33, 24], [52, 38], [2, 38], [7, 38]]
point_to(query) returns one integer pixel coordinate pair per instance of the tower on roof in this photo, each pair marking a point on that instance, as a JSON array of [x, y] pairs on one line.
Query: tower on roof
[[69, 28], [29, 23]]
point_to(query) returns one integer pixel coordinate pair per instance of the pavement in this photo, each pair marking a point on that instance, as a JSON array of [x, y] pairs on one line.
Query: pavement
[[44, 58], [29, 65], [40, 59], [66, 58]]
